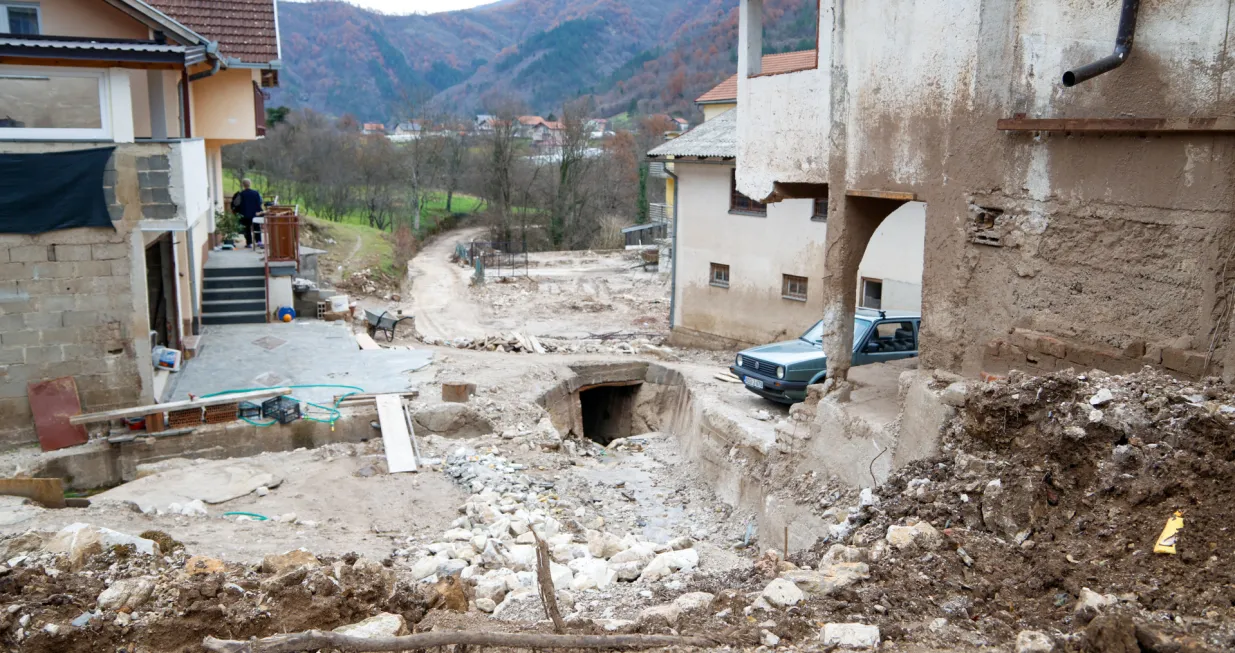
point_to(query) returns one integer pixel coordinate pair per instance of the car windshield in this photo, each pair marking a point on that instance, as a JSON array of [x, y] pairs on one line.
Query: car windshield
[[814, 335]]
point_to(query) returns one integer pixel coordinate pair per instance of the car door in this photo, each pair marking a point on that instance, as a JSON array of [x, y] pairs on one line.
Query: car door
[[888, 340]]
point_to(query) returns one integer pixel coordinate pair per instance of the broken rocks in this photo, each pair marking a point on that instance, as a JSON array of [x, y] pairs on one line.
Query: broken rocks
[[80, 541], [782, 593], [851, 635], [129, 594], [1032, 641]]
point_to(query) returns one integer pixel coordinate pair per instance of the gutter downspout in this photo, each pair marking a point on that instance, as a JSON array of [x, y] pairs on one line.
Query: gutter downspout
[[1123, 48], [673, 273]]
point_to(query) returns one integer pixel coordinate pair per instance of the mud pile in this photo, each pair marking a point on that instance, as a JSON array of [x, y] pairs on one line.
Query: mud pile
[[97, 595], [1043, 515]]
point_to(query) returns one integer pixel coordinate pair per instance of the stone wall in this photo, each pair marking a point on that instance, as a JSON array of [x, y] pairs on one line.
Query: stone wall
[[73, 303], [1042, 353]]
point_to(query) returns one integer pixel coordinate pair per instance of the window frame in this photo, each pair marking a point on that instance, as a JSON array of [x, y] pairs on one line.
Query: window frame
[[862, 293], [815, 215], [713, 281], [38, 16], [102, 133], [786, 287], [754, 208]]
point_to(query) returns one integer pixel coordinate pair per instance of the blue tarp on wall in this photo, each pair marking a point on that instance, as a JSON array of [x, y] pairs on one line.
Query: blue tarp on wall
[[53, 190]]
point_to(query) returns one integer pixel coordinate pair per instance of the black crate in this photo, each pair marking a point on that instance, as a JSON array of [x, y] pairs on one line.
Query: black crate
[[285, 410], [249, 410]]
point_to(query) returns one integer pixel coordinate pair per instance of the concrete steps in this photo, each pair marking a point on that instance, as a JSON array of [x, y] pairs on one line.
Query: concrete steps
[[234, 295]]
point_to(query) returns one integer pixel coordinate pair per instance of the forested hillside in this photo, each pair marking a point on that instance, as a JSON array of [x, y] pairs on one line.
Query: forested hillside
[[654, 56]]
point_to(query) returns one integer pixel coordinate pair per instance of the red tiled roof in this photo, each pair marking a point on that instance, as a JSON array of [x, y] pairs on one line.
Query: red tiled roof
[[727, 91], [244, 29], [531, 121]]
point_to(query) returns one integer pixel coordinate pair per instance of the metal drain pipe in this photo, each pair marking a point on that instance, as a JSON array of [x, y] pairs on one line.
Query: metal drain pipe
[[1123, 48]]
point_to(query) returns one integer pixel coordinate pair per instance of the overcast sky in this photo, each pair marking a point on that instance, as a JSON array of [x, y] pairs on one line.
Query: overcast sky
[[417, 6]]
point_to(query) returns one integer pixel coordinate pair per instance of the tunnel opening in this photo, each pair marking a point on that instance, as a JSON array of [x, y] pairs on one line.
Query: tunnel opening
[[608, 411]]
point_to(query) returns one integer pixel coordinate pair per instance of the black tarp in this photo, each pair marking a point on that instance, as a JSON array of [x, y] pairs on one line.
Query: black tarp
[[53, 190]]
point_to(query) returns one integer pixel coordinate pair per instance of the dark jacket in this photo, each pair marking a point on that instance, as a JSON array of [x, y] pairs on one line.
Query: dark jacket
[[250, 203]]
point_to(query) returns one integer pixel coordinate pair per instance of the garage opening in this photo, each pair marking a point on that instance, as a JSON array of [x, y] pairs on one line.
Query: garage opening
[[608, 411]]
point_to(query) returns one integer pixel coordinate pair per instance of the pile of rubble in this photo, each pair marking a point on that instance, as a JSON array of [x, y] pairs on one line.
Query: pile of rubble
[[517, 343], [1038, 523], [492, 546], [88, 588]]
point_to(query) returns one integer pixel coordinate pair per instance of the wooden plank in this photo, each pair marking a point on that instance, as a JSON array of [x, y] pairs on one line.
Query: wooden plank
[[365, 397], [536, 346], [366, 342], [142, 411], [396, 437], [1020, 123], [47, 491], [53, 404], [900, 196]]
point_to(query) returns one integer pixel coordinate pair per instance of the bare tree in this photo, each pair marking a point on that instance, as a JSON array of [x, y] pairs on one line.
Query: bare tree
[[499, 170], [455, 155], [571, 198]]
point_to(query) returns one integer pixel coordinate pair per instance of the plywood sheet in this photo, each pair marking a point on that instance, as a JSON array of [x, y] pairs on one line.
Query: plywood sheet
[[395, 435], [53, 403]]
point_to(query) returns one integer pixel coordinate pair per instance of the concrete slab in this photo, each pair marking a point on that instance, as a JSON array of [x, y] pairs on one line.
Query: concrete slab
[[303, 352], [212, 482]]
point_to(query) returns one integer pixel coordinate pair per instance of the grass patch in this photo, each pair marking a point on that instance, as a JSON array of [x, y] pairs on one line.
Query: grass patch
[[355, 248]]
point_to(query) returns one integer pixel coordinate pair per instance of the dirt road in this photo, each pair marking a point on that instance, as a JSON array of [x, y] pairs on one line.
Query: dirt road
[[439, 297]]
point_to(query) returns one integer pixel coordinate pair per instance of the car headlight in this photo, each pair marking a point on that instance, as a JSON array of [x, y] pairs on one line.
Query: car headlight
[[740, 360], [780, 372]]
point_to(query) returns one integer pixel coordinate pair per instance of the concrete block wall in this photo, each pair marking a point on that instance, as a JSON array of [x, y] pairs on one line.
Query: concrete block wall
[[1037, 352], [73, 303]]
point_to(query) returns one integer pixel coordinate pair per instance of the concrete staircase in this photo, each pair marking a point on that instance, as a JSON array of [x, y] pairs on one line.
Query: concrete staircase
[[234, 295]]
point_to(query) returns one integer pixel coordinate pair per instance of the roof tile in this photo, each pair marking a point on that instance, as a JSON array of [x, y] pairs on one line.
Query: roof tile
[[244, 29], [727, 91]]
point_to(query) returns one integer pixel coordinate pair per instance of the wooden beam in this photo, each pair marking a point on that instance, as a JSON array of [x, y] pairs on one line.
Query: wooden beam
[[896, 195], [141, 411], [1020, 123]]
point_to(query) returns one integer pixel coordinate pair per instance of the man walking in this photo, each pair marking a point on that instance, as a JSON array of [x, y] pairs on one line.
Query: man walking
[[248, 203]]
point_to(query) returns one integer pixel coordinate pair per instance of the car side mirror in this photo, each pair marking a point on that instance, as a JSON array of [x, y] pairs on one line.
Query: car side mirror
[[871, 347]]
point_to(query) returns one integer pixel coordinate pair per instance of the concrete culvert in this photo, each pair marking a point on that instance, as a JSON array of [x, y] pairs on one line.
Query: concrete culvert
[[608, 411], [452, 421]]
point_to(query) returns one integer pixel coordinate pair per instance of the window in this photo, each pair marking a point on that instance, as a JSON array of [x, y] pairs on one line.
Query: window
[[45, 103], [19, 18], [719, 276], [872, 293], [820, 214], [892, 337], [794, 288], [739, 203]]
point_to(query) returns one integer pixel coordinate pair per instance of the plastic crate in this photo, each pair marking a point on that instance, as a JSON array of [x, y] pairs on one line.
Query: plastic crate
[[284, 410], [249, 410]]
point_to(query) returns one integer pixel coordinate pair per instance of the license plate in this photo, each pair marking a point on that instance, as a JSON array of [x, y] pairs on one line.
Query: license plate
[[753, 383]]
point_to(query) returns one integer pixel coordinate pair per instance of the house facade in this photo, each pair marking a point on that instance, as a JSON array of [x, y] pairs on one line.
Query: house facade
[[1072, 219], [730, 251], [160, 87]]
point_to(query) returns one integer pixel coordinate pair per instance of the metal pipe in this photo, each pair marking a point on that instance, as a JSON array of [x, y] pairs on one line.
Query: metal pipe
[[673, 264], [1123, 48]]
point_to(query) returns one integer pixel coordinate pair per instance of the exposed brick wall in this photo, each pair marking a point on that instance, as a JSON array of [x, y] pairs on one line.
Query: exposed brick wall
[[67, 307], [1037, 352]]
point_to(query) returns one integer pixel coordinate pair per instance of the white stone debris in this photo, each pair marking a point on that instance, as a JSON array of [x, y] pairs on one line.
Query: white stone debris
[[1032, 641], [850, 635]]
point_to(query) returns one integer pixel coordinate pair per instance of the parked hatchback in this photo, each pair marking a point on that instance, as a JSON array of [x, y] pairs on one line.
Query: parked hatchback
[[780, 372]]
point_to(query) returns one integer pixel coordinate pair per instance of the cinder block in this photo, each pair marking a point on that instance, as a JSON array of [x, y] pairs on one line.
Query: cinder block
[[116, 211], [43, 320], [15, 270], [12, 322], [4, 254], [72, 252], [153, 179], [92, 269], [44, 354], [156, 162], [28, 253], [23, 338], [82, 319], [67, 335], [1187, 362], [57, 303], [12, 355], [50, 270], [108, 251], [156, 196], [158, 211], [1025, 339], [14, 409]]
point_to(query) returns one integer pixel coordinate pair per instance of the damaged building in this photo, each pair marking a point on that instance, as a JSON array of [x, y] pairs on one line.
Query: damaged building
[[1077, 214]]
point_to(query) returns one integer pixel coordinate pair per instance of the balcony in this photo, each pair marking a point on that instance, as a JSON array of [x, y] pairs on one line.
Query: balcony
[[659, 213], [657, 170]]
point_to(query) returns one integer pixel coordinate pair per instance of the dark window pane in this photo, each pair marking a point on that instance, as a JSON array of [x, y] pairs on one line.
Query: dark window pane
[[23, 20]]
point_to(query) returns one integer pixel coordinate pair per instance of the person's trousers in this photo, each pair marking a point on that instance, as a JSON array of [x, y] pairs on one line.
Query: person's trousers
[[251, 231]]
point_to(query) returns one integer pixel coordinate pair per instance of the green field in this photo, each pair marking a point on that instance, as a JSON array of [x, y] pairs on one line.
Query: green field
[[432, 212]]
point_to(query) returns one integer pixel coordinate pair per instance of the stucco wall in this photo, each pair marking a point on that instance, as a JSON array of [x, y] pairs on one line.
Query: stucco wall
[[223, 106], [710, 111], [1111, 241], [88, 18]]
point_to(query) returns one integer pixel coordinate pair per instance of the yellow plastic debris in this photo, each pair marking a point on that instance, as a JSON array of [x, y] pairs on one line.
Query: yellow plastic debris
[[1166, 541]]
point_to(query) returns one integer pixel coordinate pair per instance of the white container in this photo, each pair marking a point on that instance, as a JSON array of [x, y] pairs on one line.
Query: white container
[[338, 304], [167, 359]]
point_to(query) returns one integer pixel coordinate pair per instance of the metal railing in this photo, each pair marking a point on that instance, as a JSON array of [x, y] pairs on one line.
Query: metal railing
[[493, 259], [658, 212]]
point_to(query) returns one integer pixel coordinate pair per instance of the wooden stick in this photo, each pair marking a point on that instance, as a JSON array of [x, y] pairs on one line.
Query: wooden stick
[[544, 578], [315, 639], [786, 543], [142, 411]]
